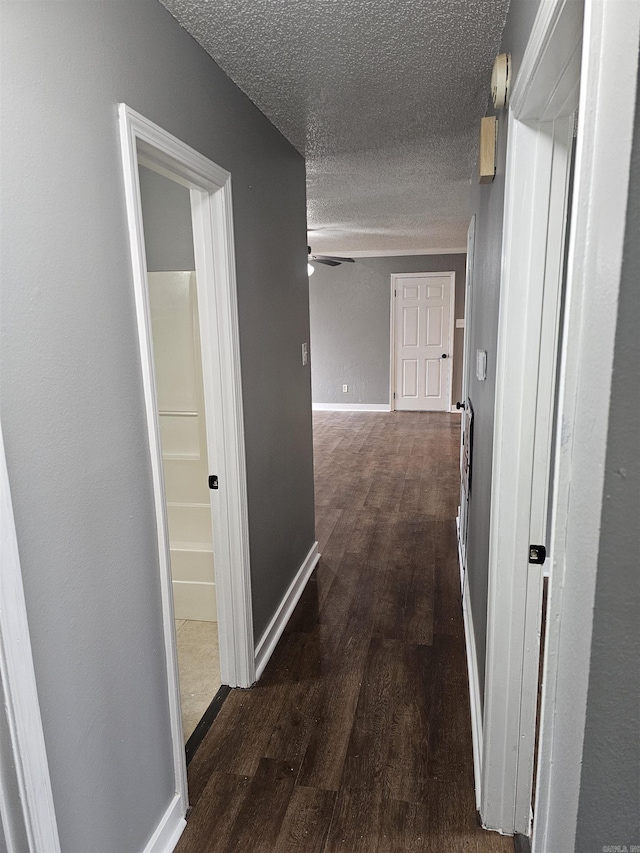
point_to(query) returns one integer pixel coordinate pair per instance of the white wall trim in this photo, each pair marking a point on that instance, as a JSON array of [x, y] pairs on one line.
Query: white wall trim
[[604, 140], [390, 253], [218, 310], [462, 558], [536, 186], [474, 690], [168, 832], [278, 623], [475, 700], [20, 694], [351, 407], [210, 192], [454, 411]]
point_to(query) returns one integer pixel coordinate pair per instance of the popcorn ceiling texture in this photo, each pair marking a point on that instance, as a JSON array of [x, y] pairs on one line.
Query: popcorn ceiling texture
[[383, 97]]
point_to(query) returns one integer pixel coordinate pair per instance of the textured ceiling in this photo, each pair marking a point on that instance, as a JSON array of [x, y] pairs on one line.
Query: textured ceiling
[[383, 97]]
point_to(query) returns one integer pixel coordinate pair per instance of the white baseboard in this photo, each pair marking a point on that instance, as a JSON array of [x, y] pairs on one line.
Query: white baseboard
[[455, 411], [270, 638], [351, 407], [169, 830], [461, 554], [472, 669], [474, 691]]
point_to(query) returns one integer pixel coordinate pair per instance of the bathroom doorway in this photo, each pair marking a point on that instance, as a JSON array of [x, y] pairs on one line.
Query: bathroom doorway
[[175, 332], [187, 319]]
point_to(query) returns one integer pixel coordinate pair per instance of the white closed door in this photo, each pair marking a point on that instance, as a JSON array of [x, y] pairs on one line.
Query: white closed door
[[423, 340]]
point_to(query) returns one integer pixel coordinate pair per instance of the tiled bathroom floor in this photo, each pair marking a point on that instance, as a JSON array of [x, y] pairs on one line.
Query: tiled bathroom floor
[[199, 669]]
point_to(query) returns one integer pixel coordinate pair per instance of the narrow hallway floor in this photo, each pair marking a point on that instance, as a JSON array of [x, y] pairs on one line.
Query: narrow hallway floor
[[358, 738]]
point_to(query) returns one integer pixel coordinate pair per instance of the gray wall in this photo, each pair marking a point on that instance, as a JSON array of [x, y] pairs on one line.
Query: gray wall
[[609, 804], [72, 399], [350, 316], [487, 202], [168, 235]]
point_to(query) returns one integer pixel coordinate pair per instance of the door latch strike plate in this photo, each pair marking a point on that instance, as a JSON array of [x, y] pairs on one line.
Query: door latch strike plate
[[213, 481], [537, 554]]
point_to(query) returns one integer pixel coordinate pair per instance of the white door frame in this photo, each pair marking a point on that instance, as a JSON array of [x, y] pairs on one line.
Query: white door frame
[[392, 335], [28, 811], [609, 78], [468, 296], [540, 133], [210, 188], [463, 510]]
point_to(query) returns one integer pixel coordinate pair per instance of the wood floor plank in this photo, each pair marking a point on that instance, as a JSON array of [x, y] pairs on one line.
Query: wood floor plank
[[450, 751], [323, 762], [211, 821], [419, 613], [259, 820], [326, 519], [447, 593], [306, 823], [298, 719], [404, 828], [408, 755], [234, 747], [405, 580], [365, 764], [389, 746], [355, 824]]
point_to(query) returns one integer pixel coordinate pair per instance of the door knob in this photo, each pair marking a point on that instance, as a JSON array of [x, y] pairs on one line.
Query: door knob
[[444, 355], [459, 405]]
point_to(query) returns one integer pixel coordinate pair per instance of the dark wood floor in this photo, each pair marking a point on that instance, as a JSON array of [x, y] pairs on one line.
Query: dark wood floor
[[357, 739]]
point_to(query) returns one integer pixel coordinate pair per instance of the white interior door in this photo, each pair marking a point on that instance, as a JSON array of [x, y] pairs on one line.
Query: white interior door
[[423, 336]]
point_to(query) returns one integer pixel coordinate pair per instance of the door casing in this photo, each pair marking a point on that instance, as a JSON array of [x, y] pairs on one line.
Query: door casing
[[210, 190], [463, 509], [559, 72], [540, 133], [608, 91]]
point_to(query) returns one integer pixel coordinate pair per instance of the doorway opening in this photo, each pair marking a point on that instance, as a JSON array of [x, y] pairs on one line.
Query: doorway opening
[[187, 321], [175, 332]]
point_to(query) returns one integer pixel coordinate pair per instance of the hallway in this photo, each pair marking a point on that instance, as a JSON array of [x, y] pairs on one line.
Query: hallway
[[358, 739]]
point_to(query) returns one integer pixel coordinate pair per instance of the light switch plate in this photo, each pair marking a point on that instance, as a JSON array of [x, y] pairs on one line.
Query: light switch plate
[[481, 364], [460, 323], [305, 354]]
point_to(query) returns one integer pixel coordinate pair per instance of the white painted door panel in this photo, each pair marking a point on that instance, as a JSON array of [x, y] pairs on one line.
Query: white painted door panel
[[423, 338]]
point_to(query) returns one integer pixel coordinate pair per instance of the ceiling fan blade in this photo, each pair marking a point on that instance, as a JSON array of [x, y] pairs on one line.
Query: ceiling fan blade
[[328, 261], [339, 260]]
